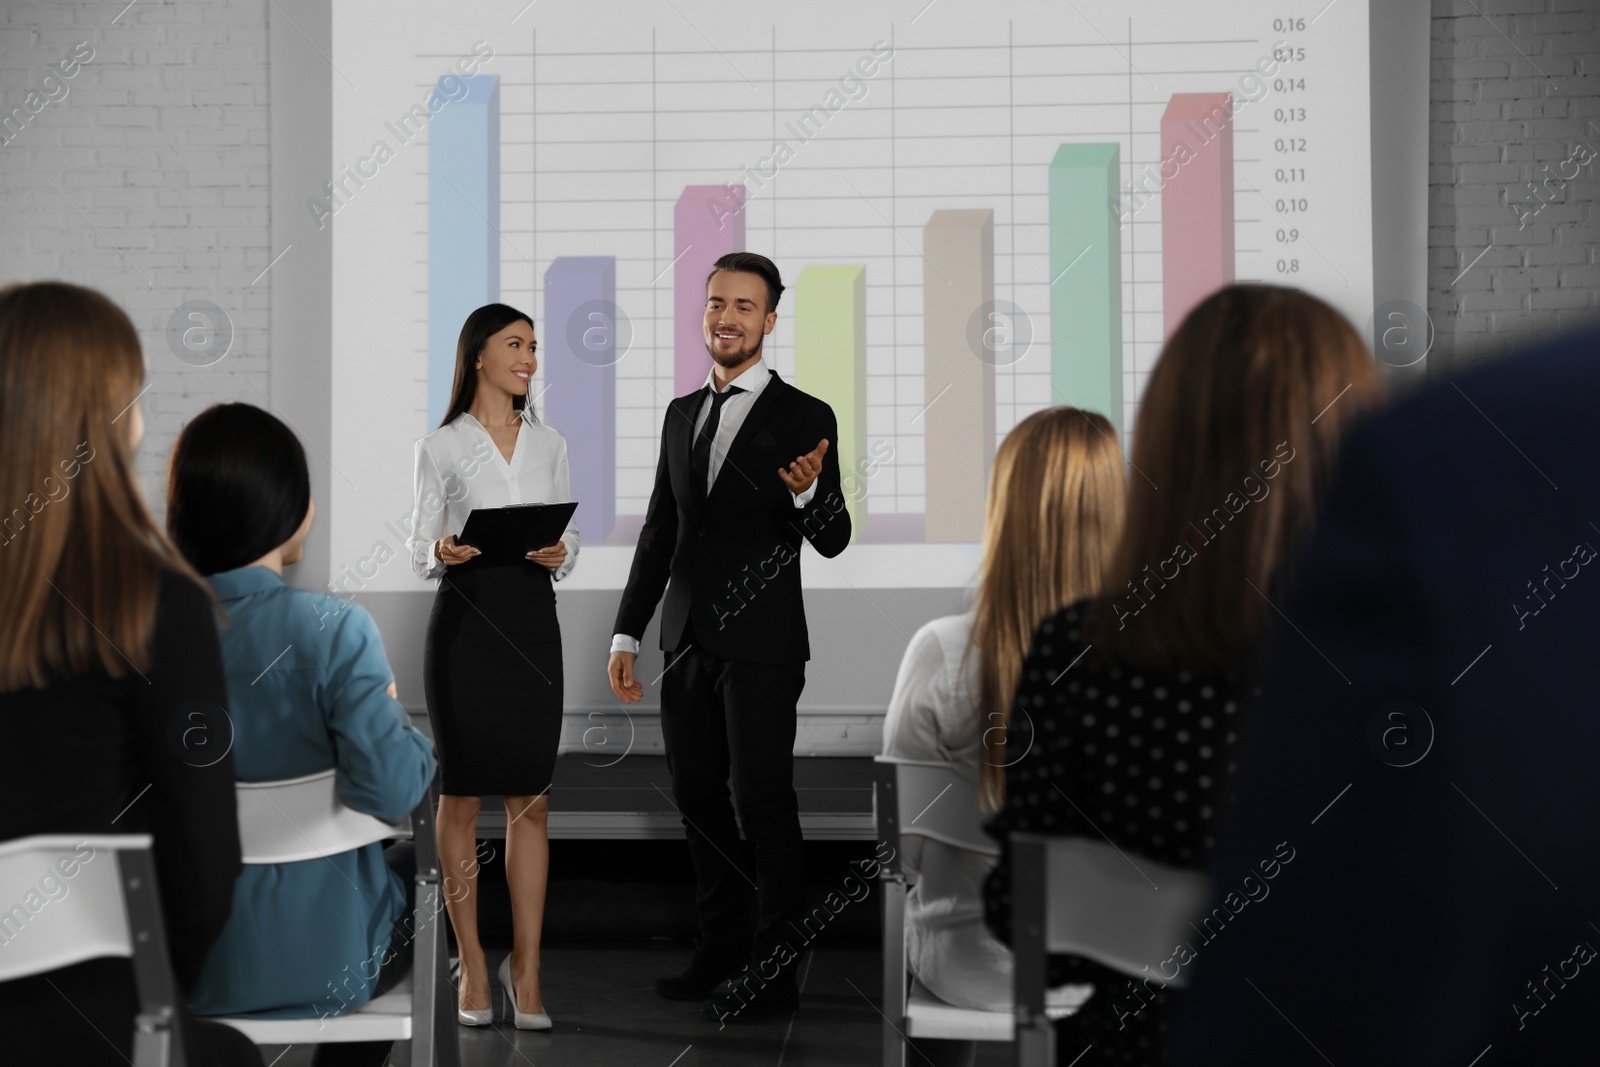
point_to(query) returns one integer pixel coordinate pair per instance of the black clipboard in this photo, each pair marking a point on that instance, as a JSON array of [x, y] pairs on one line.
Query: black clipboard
[[508, 534]]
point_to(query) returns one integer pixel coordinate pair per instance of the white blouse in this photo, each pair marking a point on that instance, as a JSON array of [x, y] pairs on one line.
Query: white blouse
[[933, 716], [459, 467]]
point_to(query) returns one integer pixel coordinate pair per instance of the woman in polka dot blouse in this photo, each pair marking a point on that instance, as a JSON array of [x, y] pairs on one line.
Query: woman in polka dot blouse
[[1132, 705]]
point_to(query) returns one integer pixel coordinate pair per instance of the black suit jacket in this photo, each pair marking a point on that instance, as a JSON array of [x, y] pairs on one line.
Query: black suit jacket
[[733, 558], [1429, 845]]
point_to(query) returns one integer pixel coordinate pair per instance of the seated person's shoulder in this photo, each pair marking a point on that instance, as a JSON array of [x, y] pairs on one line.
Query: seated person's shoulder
[[1066, 625], [323, 620], [944, 630], [181, 599], [331, 612], [939, 646]]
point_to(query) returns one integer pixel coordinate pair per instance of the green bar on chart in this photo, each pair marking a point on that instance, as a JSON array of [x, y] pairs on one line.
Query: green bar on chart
[[1086, 280], [830, 356]]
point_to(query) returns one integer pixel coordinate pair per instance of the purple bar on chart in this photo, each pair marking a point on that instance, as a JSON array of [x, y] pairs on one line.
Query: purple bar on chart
[[1196, 203], [579, 356], [957, 379], [707, 224]]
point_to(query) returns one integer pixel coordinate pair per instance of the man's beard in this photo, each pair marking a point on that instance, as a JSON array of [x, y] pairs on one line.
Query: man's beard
[[734, 358]]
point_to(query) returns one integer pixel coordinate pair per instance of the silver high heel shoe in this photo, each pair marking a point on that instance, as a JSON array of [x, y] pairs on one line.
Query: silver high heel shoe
[[524, 1020], [480, 1017]]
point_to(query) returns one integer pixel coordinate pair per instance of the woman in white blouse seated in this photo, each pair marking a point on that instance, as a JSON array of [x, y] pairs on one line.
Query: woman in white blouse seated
[[1054, 512], [492, 667]]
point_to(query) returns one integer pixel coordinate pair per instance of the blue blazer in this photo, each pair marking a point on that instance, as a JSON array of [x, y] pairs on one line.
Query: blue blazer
[[1427, 747]]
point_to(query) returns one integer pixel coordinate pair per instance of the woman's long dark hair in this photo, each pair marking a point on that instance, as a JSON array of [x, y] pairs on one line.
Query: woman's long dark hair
[[237, 487], [475, 333]]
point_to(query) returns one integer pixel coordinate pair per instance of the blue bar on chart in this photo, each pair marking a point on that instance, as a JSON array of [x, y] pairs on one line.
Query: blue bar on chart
[[579, 355], [463, 221]]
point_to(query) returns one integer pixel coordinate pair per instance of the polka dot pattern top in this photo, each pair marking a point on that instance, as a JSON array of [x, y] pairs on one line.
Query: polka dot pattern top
[[1102, 751]]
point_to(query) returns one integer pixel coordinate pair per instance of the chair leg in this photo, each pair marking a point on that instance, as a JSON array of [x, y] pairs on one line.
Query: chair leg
[[434, 1033], [1036, 1044], [894, 972], [433, 1023], [1034, 1035], [157, 1040], [153, 1045]]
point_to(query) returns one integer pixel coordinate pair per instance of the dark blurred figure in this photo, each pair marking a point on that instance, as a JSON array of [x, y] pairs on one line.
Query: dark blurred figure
[[1425, 745]]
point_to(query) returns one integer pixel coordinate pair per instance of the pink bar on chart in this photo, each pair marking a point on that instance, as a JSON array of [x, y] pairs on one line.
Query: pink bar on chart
[[707, 224], [1196, 201]]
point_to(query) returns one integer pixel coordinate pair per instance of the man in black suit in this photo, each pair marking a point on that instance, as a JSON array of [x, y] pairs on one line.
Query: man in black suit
[[1426, 750], [744, 474]]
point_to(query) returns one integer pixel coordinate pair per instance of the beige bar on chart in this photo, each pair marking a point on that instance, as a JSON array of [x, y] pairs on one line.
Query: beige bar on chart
[[958, 383]]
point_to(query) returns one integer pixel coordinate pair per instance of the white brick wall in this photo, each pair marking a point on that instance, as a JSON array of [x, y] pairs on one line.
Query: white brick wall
[[158, 155], [1496, 124], [161, 145]]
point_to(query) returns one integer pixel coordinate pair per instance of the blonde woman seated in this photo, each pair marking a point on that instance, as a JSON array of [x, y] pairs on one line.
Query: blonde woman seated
[[1054, 512]]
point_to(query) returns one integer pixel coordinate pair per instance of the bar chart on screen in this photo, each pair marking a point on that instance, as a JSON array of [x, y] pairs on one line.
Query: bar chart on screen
[[978, 214]]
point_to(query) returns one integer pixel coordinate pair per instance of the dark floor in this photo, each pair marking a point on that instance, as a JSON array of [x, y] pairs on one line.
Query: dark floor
[[606, 1013]]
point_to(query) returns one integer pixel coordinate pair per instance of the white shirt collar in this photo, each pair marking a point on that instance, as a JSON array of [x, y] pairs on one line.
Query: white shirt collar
[[753, 378], [526, 415]]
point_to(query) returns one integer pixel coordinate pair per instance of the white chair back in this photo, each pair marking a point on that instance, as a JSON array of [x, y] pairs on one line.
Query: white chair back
[[921, 798], [70, 898], [936, 802], [1126, 912], [52, 918], [302, 819], [1084, 897]]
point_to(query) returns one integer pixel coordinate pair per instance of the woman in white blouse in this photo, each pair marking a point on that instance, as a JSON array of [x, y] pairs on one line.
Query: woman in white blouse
[[492, 669], [1054, 512]]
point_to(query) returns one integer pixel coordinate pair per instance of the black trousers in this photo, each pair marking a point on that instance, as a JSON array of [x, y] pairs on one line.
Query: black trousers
[[732, 721]]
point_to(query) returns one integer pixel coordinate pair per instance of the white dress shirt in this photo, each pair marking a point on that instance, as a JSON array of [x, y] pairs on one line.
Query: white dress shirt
[[751, 381], [459, 468]]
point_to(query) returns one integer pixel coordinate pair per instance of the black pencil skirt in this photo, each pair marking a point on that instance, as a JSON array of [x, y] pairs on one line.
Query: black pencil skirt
[[492, 679]]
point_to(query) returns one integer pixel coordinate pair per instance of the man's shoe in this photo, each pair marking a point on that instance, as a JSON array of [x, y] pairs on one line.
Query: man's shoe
[[705, 972], [746, 997]]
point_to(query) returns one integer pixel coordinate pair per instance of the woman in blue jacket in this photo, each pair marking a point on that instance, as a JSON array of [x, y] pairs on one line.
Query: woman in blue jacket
[[309, 690]]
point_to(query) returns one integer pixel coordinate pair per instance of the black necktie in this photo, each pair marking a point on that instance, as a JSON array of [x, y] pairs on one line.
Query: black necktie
[[700, 455]]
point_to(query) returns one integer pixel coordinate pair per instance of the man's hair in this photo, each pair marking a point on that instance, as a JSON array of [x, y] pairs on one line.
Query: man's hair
[[753, 263]]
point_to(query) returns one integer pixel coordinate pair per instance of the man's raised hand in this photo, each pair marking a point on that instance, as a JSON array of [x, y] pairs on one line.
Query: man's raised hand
[[799, 475]]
